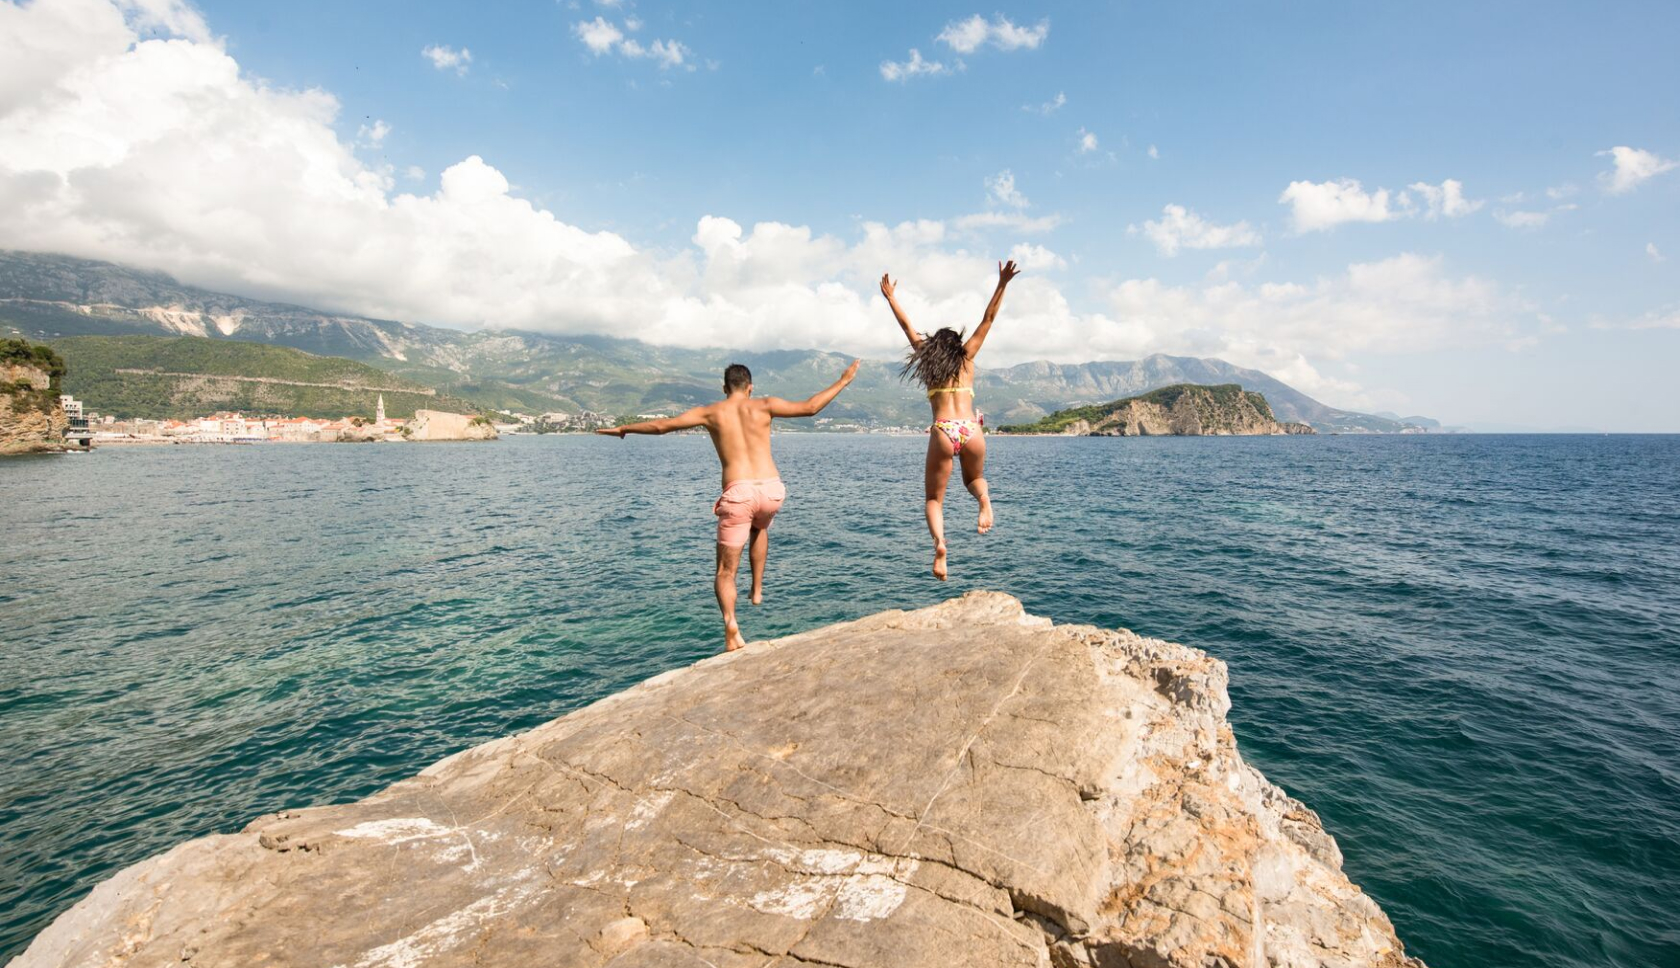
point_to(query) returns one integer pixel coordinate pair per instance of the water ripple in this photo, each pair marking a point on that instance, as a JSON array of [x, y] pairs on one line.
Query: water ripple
[[1461, 651]]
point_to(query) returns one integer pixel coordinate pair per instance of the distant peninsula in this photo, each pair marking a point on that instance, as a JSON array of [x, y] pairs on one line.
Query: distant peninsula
[[1181, 410]]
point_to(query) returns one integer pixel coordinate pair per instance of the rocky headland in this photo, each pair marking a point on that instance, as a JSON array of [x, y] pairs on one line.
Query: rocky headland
[[961, 785], [1182, 410], [31, 417], [438, 425]]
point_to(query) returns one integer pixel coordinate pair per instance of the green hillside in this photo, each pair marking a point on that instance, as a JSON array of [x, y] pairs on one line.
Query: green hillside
[[1211, 399], [186, 376]]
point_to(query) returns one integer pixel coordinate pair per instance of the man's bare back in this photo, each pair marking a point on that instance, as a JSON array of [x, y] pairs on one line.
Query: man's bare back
[[740, 430], [739, 426]]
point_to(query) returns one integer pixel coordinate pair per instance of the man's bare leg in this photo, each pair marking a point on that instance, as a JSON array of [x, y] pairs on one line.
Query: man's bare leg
[[938, 474], [759, 549], [728, 560], [974, 478]]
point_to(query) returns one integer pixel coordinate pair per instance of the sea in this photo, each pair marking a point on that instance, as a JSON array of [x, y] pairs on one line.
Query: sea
[[1462, 651]]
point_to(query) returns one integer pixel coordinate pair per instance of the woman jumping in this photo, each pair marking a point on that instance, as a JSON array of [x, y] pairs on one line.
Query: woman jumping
[[944, 363]]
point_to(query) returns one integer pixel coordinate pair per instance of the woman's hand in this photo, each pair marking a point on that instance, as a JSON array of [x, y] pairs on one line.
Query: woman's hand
[[1006, 272], [886, 286]]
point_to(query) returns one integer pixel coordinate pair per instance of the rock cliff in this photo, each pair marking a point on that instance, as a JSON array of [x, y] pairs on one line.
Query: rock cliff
[[1183, 410], [961, 785], [438, 425], [31, 419]]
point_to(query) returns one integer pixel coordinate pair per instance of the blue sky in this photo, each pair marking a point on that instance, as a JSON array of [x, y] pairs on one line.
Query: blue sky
[[1538, 288]]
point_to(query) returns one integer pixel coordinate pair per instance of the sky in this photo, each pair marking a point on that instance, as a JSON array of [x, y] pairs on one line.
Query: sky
[[1462, 211]]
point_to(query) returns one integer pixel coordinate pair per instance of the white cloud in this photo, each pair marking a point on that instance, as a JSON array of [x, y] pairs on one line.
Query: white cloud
[[373, 134], [1667, 317], [1445, 200], [414, 173], [1048, 107], [914, 67], [1560, 192], [162, 154], [1087, 142], [968, 36], [1154, 153], [1001, 188], [1407, 303], [602, 36], [599, 35], [1631, 168], [446, 58], [1325, 205], [1180, 228], [1654, 253], [1016, 221], [1522, 220], [165, 17], [1035, 258]]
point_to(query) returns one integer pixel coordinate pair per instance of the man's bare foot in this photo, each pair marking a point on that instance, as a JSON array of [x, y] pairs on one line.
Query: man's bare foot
[[732, 639], [985, 517], [939, 561], [758, 596]]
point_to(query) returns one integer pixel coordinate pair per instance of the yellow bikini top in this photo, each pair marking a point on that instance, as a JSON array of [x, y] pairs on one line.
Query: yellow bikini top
[[967, 390]]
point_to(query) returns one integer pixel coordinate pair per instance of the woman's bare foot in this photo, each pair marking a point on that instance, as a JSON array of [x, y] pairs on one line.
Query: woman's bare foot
[[732, 639], [985, 516], [939, 561], [758, 596]]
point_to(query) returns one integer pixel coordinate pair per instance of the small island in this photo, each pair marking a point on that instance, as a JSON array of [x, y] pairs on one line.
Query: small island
[[1181, 410]]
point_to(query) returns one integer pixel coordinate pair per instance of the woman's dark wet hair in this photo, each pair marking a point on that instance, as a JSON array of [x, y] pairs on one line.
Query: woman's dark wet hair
[[938, 361]]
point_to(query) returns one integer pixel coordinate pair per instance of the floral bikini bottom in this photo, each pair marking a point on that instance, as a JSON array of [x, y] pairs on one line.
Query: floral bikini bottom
[[958, 432]]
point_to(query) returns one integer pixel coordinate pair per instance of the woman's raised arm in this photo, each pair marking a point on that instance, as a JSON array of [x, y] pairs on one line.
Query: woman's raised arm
[[1006, 272], [910, 333]]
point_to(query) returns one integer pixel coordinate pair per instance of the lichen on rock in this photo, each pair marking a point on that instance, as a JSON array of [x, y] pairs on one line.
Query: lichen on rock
[[961, 785]]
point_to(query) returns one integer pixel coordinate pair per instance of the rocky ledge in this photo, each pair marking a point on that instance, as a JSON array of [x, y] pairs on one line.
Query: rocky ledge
[[961, 785]]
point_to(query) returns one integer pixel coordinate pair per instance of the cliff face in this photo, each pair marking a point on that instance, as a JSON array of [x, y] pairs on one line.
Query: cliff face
[[1182, 410], [31, 418], [438, 425], [961, 785]]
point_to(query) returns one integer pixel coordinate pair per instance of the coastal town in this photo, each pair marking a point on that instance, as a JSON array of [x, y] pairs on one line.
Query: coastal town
[[91, 428]]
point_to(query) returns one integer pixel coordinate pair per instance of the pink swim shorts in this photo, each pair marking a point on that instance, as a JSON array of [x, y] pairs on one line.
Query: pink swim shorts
[[746, 505]]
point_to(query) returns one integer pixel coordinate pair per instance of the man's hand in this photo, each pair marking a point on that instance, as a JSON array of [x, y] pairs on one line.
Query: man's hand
[[1006, 272], [612, 432], [851, 372], [886, 286]]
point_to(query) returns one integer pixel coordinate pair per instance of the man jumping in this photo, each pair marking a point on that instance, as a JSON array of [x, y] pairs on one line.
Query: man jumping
[[752, 487]]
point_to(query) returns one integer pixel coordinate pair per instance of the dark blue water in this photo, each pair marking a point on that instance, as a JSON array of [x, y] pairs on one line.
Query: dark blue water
[[1464, 652]]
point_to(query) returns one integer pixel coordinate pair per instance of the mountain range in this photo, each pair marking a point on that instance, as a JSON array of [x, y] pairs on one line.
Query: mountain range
[[50, 297]]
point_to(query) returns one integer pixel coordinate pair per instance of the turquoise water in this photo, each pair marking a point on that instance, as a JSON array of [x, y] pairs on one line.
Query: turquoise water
[[1462, 651]]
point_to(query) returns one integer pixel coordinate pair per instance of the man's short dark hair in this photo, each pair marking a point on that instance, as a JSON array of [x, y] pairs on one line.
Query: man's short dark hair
[[737, 377]]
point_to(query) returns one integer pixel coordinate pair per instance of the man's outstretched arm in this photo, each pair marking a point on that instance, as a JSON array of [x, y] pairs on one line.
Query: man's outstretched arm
[[695, 417], [813, 405]]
